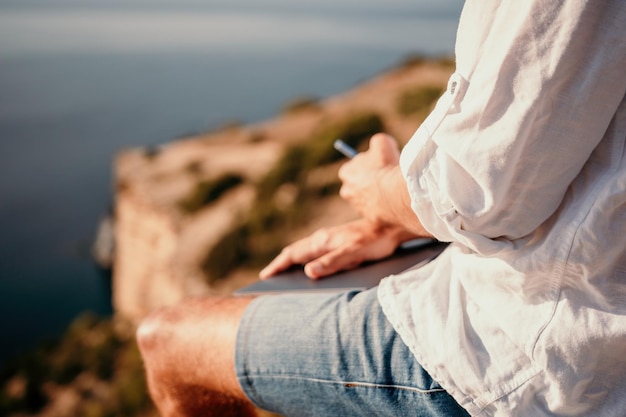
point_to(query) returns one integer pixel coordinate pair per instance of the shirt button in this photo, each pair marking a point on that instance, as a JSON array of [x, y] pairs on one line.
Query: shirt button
[[453, 87]]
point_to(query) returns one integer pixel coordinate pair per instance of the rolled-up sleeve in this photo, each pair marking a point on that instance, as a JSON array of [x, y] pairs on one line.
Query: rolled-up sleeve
[[529, 101]]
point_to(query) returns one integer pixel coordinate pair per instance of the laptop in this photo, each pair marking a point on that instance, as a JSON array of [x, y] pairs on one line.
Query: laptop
[[414, 253]]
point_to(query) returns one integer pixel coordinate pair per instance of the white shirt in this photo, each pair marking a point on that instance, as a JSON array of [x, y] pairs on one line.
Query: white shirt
[[522, 166]]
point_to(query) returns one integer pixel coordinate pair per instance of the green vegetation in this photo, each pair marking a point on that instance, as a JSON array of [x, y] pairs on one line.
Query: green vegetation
[[206, 192], [260, 233], [256, 136], [303, 103], [318, 150], [418, 99], [194, 168], [412, 61], [355, 131], [92, 349], [447, 62], [232, 124], [152, 151]]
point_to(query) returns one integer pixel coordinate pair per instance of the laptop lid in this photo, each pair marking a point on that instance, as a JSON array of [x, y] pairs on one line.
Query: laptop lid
[[414, 253]]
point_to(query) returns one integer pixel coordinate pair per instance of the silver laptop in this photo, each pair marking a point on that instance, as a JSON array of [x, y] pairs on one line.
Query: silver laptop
[[412, 254]]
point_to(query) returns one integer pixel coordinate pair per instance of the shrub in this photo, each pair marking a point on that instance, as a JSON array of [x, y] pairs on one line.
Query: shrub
[[253, 241], [418, 99], [354, 131], [411, 61], [288, 168], [32, 368], [206, 192], [318, 150], [447, 62], [152, 151], [90, 345], [300, 104], [130, 389], [230, 251], [324, 190], [232, 124], [416, 60], [194, 168]]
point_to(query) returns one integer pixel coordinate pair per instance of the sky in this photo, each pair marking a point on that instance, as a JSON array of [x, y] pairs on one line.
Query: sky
[[338, 4], [101, 26]]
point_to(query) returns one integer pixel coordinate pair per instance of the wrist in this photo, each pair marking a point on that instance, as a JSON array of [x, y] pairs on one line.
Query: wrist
[[394, 234], [391, 186], [395, 207]]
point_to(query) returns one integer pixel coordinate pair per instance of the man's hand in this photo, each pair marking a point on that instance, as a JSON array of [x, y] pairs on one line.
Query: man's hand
[[373, 185], [339, 248], [362, 177]]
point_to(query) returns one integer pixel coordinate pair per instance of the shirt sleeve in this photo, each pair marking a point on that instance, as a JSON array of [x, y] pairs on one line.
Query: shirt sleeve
[[535, 89]]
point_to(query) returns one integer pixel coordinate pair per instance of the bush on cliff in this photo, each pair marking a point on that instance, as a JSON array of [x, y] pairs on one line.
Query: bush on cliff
[[298, 160], [418, 99], [207, 191], [300, 104]]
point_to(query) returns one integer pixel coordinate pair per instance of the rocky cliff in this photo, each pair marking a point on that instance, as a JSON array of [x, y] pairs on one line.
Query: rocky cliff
[[181, 207]]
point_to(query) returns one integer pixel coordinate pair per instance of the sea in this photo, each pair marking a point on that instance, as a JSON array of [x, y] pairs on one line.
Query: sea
[[81, 80]]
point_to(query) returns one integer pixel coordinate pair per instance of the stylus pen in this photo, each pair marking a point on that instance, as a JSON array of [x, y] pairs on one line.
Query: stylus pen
[[345, 149]]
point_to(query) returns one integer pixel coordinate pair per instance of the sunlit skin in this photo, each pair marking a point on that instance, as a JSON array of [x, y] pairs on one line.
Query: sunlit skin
[[189, 348], [188, 351]]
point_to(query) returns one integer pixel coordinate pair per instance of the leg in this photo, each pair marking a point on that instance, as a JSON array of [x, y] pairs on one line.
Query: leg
[[188, 350], [312, 355]]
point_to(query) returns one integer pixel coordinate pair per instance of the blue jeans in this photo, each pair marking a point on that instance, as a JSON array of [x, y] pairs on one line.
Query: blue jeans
[[332, 355]]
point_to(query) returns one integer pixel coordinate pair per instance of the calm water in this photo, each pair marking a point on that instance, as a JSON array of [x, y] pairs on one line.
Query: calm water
[[80, 80]]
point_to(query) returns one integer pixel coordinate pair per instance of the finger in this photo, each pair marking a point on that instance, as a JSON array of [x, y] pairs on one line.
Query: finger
[[338, 260], [278, 264], [298, 253], [351, 255]]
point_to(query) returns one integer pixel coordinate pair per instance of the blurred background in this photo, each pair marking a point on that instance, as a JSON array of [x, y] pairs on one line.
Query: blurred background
[[82, 79]]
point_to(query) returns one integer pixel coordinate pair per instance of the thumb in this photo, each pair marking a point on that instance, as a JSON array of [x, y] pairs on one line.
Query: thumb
[[386, 147]]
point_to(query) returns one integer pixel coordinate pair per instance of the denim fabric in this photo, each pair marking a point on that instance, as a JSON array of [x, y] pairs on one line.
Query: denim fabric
[[332, 355]]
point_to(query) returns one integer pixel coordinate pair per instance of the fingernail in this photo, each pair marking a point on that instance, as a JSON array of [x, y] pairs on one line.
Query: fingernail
[[315, 269]]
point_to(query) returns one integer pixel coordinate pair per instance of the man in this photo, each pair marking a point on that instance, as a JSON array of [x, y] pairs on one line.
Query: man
[[522, 166]]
